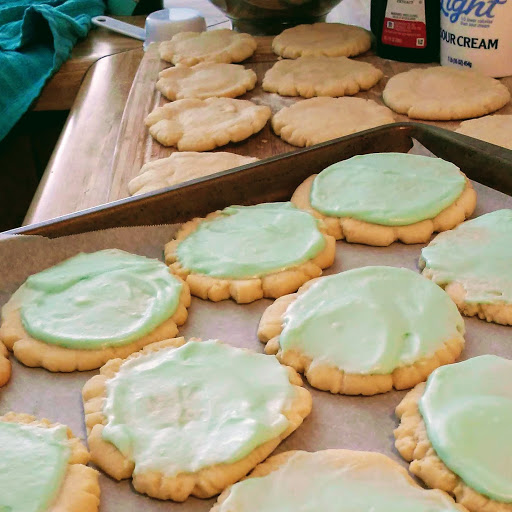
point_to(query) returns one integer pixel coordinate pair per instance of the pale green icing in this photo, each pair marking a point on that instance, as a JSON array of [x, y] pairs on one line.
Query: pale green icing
[[370, 320], [392, 189], [467, 409], [477, 254], [33, 462], [102, 299], [180, 410], [251, 241], [308, 482]]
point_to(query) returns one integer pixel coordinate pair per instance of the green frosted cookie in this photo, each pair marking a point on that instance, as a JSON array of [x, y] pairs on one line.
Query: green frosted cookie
[[190, 418], [92, 307]]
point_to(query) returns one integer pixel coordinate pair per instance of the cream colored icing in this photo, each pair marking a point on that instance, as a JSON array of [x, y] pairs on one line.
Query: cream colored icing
[[205, 403], [370, 320], [355, 482]]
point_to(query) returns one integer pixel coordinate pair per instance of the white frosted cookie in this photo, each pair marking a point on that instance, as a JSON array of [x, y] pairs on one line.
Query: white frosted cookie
[[444, 93], [224, 45], [455, 432], [5, 365], [43, 468], [379, 198], [331, 481], [364, 331], [91, 308], [472, 263], [205, 80], [190, 418], [320, 76], [250, 252], [329, 39], [317, 120], [494, 129], [181, 167], [202, 125]]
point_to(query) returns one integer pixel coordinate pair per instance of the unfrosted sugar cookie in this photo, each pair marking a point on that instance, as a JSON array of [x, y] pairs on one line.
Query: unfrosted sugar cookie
[[331, 481], [444, 93], [364, 331], [320, 76], [317, 120], [43, 468], [329, 39], [183, 166], [202, 125], [5, 365], [91, 308], [455, 432], [224, 45], [494, 129], [378, 198], [205, 80], [472, 263], [190, 418], [250, 252]]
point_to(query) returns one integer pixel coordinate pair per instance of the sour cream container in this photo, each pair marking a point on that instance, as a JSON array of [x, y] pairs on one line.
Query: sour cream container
[[477, 35]]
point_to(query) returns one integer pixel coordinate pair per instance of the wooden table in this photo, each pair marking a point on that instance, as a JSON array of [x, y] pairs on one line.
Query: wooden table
[[79, 174]]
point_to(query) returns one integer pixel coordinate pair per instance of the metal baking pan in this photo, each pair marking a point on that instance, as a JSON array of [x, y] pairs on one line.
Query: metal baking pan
[[275, 179]]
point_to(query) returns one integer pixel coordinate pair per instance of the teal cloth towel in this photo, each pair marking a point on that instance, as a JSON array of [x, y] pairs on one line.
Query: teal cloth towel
[[36, 37]]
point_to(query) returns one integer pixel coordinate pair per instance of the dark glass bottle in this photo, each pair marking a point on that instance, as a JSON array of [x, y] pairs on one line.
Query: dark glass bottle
[[407, 30]]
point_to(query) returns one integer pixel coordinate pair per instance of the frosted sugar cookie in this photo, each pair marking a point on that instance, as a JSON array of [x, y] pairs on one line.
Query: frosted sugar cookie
[[205, 80], [316, 120], [183, 166], [91, 308], [5, 365], [320, 76], [364, 331], [494, 129], [190, 418], [331, 481], [378, 198], [444, 93], [329, 39], [455, 432], [202, 125], [42, 468], [250, 252], [472, 263], [189, 48]]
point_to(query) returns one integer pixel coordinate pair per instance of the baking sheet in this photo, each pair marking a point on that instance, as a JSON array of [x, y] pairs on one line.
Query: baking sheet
[[364, 423]]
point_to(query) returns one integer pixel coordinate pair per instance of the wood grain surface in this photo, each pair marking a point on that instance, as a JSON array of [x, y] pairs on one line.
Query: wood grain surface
[[135, 146]]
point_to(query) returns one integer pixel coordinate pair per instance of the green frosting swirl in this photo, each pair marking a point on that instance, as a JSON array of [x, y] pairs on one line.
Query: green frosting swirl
[[33, 462], [477, 254], [467, 409], [370, 320], [205, 403], [392, 189], [311, 481], [103, 299], [252, 241]]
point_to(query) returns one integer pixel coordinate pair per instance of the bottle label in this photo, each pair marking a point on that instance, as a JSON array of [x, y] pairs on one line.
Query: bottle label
[[477, 34], [404, 24]]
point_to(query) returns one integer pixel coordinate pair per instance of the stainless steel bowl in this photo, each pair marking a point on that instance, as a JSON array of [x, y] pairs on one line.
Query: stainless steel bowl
[[268, 17]]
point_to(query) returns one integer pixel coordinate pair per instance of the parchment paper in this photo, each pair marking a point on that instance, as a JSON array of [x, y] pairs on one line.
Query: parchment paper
[[364, 423]]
